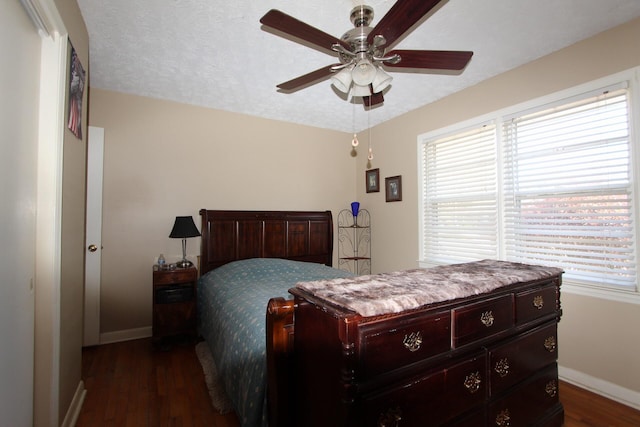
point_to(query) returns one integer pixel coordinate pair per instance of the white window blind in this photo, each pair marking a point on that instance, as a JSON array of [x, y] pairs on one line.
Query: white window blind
[[568, 189], [460, 188], [552, 185]]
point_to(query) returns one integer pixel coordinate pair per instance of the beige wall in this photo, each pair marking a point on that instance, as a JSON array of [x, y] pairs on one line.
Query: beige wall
[[58, 364], [163, 159], [592, 351], [73, 224]]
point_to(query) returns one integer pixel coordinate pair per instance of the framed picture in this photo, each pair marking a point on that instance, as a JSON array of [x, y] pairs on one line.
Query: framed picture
[[372, 180], [393, 187], [76, 93]]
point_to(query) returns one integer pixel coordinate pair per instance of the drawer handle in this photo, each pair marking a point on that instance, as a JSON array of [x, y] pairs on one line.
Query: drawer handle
[[487, 318], [503, 419], [550, 344], [412, 341], [551, 388], [472, 382], [502, 367], [391, 418], [538, 302]]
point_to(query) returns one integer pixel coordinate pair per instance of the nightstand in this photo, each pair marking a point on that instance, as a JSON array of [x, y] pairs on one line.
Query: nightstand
[[174, 304]]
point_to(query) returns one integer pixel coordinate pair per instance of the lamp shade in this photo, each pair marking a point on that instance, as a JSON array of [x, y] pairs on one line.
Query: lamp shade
[[184, 227], [360, 90], [363, 73], [381, 80], [342, 80]]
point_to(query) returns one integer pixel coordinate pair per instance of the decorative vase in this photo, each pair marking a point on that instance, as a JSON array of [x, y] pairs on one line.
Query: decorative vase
[[355, 207]]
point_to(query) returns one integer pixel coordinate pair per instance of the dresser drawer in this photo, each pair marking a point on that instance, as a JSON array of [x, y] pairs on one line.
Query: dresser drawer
[[173, 294], [476, 419], [521, 357], [533, 304], [390, 345], [530, 403], [416, 402], [466, 385], [553, 418], [172, 277], [431, 399], [482, 319]]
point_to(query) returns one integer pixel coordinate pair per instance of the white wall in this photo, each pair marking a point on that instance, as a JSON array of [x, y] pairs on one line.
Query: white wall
[[40, 358], [20, 44]]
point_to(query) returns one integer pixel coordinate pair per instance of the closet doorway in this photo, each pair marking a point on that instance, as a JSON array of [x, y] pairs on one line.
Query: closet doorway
[[93, 243]]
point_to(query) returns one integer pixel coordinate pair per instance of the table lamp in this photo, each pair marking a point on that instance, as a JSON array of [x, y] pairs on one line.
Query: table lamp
[[183, 228]]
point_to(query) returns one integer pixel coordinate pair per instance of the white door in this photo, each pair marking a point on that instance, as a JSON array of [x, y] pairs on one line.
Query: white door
[[93, 245]]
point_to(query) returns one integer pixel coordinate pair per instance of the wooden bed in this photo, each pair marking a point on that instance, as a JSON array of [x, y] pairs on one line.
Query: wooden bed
[[482, 353], [234, 235]]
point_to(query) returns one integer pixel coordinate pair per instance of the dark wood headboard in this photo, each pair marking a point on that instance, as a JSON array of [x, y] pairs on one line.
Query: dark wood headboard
[[234, 235]]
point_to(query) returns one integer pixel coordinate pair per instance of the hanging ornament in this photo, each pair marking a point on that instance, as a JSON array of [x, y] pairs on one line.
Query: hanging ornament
[[354, 141]]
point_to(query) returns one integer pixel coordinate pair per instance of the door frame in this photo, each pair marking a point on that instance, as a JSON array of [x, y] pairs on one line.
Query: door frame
[[53, 32]]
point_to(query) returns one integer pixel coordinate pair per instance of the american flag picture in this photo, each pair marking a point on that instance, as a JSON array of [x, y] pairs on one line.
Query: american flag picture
[[76, 92]]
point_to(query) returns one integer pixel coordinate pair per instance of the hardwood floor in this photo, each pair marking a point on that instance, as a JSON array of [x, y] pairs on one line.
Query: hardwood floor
[[131, 384], [585, 409]]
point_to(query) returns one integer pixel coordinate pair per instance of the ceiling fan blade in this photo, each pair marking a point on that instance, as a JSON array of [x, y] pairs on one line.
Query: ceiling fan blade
[[373, 100], [403, 15], [431, 59], [308, 79], [289, 25]]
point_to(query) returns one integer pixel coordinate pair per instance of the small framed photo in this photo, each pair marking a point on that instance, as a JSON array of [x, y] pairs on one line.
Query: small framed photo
[[372, 177], [393, 187]]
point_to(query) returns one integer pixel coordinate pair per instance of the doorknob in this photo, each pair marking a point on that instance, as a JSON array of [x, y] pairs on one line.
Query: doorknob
[[92, 248]]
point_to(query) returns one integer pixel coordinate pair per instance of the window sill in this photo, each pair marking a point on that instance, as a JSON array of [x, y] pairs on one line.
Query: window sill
[[618, 295], [579, 288]]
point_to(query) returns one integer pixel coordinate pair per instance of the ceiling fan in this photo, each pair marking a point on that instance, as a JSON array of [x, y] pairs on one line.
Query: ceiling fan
[[362, 51]]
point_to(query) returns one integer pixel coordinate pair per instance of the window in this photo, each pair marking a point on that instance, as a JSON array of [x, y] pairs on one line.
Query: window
[[461, 215], [552, 185]]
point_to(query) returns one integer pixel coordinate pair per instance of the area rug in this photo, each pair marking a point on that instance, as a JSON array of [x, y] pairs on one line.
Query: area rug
[[219, 399]]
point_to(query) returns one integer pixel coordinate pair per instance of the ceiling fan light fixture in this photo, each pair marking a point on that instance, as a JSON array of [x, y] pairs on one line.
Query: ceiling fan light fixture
[[381, 80], [359, 90], [363, 49], [342, 79], [363, 73]]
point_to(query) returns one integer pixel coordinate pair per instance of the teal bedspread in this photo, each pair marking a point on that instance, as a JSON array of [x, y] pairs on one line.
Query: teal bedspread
[[232, 303]]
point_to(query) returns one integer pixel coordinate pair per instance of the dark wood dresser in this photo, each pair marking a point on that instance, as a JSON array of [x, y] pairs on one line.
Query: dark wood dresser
[[481, 360]]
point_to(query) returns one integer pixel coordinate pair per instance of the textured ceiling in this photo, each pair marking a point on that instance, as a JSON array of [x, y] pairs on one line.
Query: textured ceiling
[[214, 53]]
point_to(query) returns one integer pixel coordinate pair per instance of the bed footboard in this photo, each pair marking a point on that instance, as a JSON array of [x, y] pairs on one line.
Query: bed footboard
[[279, 361]]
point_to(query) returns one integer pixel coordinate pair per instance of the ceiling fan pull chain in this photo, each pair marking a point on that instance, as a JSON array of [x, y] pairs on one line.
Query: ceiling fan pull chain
[[370, 156], [354, 141]]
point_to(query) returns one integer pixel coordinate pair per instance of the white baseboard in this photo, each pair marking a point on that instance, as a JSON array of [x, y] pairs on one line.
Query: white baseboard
[[73, 412], [604, 388], [126, 335]]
